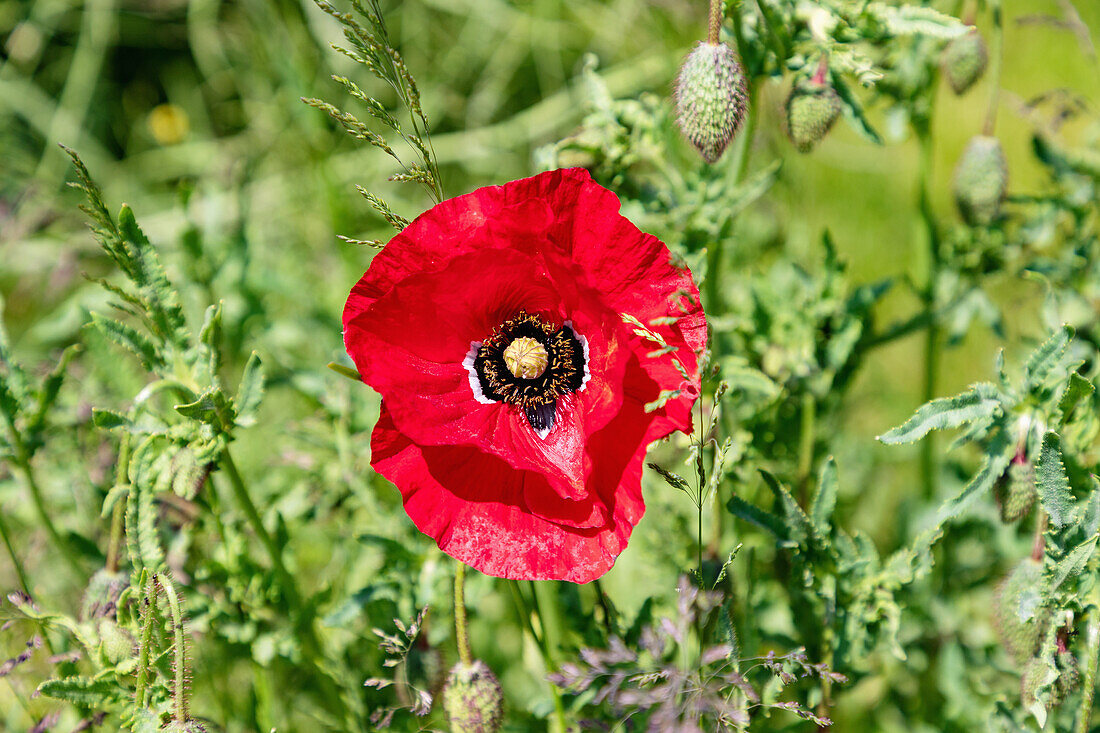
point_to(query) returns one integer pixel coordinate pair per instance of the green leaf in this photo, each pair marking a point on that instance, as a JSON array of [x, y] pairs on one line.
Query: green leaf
[[824, 501], [908, 20], [762, 518], [1051, 482], [853, 110], [209, 408], [165, 310], [1046, 357], [1076, 389], [84, 691], [998, 456], [129, 338], [942, 413], [798, 523], [51, 387], [109, 419], [1074, 562], [250, 391], [345, 371]]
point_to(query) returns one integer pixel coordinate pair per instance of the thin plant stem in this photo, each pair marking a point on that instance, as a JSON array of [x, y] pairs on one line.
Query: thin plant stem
[[928, 462], [179, 648], [806, 444], [462, 637], [119, 513], [39, 502], [1084, 713], [996, 62], [714, 27], [15, 563], [558, 725]]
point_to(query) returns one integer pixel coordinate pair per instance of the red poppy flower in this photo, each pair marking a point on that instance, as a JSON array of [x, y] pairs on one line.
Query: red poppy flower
[[513, 415]]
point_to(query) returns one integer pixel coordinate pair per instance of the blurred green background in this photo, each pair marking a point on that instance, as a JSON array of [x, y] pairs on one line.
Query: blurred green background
[[189, 111]]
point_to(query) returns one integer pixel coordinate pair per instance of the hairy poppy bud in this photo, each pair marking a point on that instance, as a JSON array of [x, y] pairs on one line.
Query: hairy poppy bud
[[812, 108], [472, 699], [711, 98], [1020, 637], [102, 594], [115, 645], [964, 60], [1016, 491], [981, 179]]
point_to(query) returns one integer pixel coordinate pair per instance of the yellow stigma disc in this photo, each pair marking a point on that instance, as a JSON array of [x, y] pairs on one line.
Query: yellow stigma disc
[[526, 358]]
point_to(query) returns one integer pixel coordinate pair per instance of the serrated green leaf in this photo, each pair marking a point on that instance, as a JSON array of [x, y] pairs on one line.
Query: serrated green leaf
[[762, 518], [209, 408], [250, 391], [798, 524], [129, 338], [1051, 482], [109, 419], [942, 413], [998, 456], [94, 693], [1075, 390], [908, 20], [824, 501], [165, 310], [116, 494], [853, 110], [1046, 357], [1074, 562]]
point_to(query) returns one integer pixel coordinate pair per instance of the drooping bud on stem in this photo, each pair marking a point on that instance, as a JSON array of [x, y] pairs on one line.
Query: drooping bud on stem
[[812, 108], [711, 98], [472, 698], [964, 60], [981, 181]]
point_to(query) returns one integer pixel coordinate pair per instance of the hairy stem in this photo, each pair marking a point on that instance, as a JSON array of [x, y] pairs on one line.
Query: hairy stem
[[462, 636], [149, 601], [118, 515], [179, 648], [714, 28], [1088, 688]]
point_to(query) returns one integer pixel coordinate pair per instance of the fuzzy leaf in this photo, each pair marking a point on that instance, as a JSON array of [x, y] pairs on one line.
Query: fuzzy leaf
[[84, 691], [999, 455], [109, 419], [51, 387], [129, 338], [208, 408], [250, 391], [797, 522], [1074, 562], [1046, 357], [917, 19], [1051, 482], [764, 519], [945, 412], [1077, 389]]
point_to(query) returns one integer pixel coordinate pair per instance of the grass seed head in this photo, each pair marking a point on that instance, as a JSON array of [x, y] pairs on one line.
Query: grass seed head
[[473, 699], [981, 180], [711, 98]]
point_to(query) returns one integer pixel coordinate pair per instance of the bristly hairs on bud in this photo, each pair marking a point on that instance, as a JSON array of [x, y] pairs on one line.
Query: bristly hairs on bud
[[964, 60], [812, 108], [711, 92]]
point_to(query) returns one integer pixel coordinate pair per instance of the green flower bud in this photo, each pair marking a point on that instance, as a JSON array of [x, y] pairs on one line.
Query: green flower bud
[[711, 98], [812, 108], [472, 699], [964, 60], [102, 594], [115, 645], [1016, 491], [981, 179], [1020, 638]]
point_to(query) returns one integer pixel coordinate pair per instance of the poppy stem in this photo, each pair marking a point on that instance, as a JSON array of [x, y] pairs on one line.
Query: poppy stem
[[715, 26], [118, 514], [462, 637]]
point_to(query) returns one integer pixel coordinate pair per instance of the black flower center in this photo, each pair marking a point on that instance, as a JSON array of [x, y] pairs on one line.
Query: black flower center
[[529, 363]]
